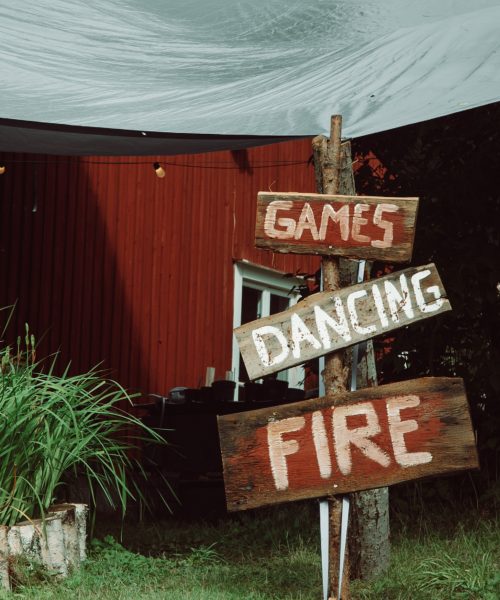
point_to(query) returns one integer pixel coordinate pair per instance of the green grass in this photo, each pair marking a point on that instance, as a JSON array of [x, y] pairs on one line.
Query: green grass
[[274, 555], [458, 563]]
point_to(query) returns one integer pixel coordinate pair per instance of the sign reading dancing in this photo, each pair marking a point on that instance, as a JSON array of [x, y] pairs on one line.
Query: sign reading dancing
[[328, 321]]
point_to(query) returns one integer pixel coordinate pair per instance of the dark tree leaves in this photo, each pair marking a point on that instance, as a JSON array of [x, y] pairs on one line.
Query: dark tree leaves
[[453, 165]]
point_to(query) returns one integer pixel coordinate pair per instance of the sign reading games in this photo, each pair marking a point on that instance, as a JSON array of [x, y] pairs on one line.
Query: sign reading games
[[370, 227]]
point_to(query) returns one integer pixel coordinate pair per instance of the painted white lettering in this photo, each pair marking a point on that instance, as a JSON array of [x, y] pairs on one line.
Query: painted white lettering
[[379, 305], [301, 333], [398, 428], [279, 449], [359, 436], [351, 309], [270, 221], [357, 222], [340, 216], [324, 320], [399, 301], [433, 289], [387, 226], [321, 445], [306, 221], [262, 350]]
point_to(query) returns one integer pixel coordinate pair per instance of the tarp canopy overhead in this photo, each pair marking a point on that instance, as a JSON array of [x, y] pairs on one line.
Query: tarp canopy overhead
[[129, 76]]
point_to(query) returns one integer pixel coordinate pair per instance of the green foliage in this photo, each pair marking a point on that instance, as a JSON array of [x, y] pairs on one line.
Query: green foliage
[[452, 165], [204, 555], [462, 563], [56, 427]]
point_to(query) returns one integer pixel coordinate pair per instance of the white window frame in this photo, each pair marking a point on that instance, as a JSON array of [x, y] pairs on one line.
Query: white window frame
[[270, 281]]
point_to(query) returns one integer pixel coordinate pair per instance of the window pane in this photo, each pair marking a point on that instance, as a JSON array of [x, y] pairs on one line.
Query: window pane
[[250, 310], [243, 376], [259, 294], [278, 303], [250, 304]]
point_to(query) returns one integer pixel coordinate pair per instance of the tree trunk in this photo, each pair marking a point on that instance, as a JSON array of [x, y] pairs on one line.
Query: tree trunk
[[369, 546], [369, 542]]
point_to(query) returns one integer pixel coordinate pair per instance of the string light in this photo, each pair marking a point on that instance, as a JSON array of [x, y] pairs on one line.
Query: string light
[[159, 170], [214, 165]]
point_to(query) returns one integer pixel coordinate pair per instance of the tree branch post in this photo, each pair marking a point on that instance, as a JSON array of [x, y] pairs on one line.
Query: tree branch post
[[328, 165]]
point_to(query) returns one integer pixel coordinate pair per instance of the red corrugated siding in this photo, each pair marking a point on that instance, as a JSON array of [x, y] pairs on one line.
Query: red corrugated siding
[[121, 268]]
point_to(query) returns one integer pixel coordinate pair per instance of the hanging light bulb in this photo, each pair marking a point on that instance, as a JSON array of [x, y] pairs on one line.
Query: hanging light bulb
[[2, 169], [159, 170]]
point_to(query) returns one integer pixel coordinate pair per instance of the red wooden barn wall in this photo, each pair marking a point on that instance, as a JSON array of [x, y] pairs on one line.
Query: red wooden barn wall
[[111, 265]]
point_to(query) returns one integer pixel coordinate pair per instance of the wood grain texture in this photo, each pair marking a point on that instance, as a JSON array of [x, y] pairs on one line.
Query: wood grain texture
[[432, 419], [334, 163], [370, 227], [328, 321]]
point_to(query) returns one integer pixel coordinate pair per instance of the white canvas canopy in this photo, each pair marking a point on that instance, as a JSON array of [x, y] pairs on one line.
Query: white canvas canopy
[[175, 76]]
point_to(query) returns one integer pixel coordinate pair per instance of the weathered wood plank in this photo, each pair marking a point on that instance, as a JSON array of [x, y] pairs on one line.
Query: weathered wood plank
[[346, 442], [328, 321], [371, 227]]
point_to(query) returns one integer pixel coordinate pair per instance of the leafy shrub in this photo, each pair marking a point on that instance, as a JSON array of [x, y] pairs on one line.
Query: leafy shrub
[[54, 426]]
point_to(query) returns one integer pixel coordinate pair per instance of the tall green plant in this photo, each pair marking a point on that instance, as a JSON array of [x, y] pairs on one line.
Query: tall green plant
[[54, 426]]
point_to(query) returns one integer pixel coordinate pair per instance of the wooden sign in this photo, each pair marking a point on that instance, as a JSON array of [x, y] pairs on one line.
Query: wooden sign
[[370, 227], [346, 442], [328, 321]]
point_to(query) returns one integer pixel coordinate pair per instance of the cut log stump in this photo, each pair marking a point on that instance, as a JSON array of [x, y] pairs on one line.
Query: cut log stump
[[57, 542]]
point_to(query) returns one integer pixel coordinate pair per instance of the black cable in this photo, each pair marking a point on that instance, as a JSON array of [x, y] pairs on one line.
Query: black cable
[[228, 166]]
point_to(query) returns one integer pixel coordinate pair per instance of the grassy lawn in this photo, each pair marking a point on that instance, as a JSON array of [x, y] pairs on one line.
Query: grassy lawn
[[274, 554]]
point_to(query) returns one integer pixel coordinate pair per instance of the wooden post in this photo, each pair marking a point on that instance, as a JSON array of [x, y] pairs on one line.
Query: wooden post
[[327, 161]]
